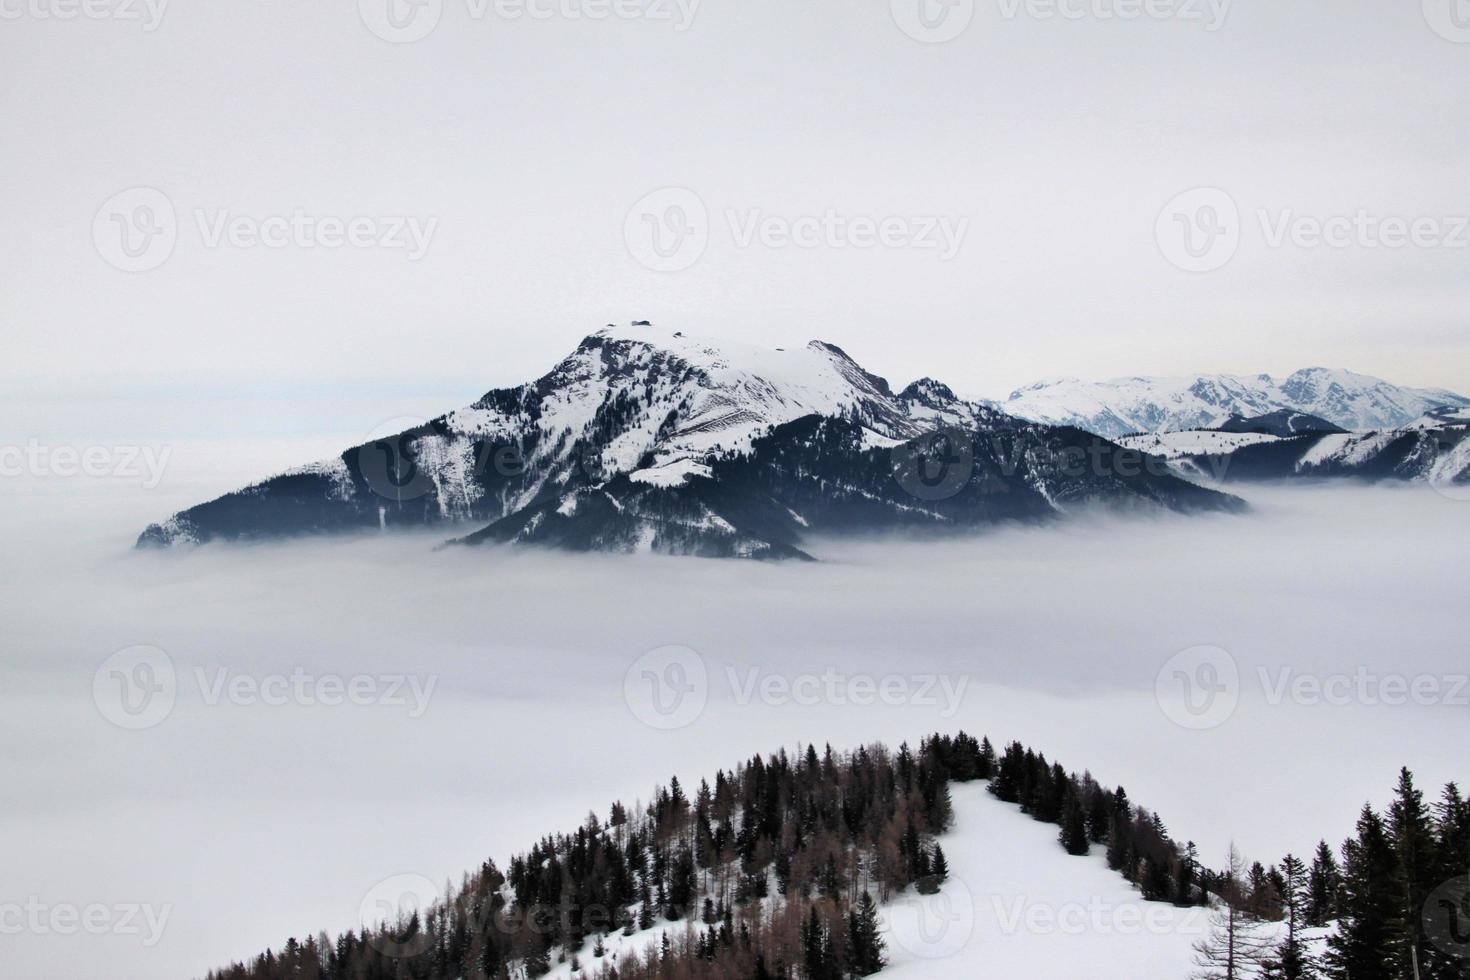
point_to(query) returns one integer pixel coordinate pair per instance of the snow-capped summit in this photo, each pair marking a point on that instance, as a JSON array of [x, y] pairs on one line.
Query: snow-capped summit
[[1121, 406], [646, 437], [665, 399]]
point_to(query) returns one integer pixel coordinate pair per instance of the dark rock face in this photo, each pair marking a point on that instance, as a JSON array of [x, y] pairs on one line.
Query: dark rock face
[[815, 476]]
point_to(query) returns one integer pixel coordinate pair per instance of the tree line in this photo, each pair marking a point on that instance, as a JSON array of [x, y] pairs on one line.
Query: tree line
[[774, 870], [1397, 897]]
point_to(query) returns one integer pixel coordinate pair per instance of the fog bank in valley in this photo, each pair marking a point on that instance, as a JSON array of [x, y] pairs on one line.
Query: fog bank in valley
[[266, 803]]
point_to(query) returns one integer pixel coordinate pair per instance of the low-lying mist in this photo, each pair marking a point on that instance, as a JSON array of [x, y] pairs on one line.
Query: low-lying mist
[[500, 694]]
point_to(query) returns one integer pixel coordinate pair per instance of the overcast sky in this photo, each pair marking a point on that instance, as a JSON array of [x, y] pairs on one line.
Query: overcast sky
[[1021, 174]]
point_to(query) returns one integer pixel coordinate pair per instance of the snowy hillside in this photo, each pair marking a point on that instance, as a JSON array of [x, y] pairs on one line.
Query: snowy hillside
[[1146, 404], [1015, 904], [1193, 442]]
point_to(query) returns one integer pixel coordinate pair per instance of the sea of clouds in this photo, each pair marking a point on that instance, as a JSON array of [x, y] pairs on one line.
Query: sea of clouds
[[346, 710]]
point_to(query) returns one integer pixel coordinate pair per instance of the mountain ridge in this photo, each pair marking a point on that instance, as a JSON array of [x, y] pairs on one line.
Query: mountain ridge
[[1433, 450], [651, 428], [1141, 403]]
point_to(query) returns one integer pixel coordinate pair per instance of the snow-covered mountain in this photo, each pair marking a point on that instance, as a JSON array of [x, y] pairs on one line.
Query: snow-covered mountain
[[1123, 406], [645, 438], [1433, 449]]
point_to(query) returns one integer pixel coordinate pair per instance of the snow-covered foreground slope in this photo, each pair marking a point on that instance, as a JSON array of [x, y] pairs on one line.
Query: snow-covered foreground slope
[[1015, 905], [1121, 406]]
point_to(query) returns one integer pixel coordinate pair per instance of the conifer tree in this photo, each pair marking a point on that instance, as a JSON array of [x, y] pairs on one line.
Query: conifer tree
[[1360, 948], [1324, 887], [645, 909], [865, 941], [987, 759], [1416, 874], [939, 868], [1291, 960], [1452, 832], [1074, 827], [1184, 876]]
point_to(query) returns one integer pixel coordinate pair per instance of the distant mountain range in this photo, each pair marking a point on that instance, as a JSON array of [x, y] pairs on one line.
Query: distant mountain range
[[646, 439], [1125, 406], [1433, 449]]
